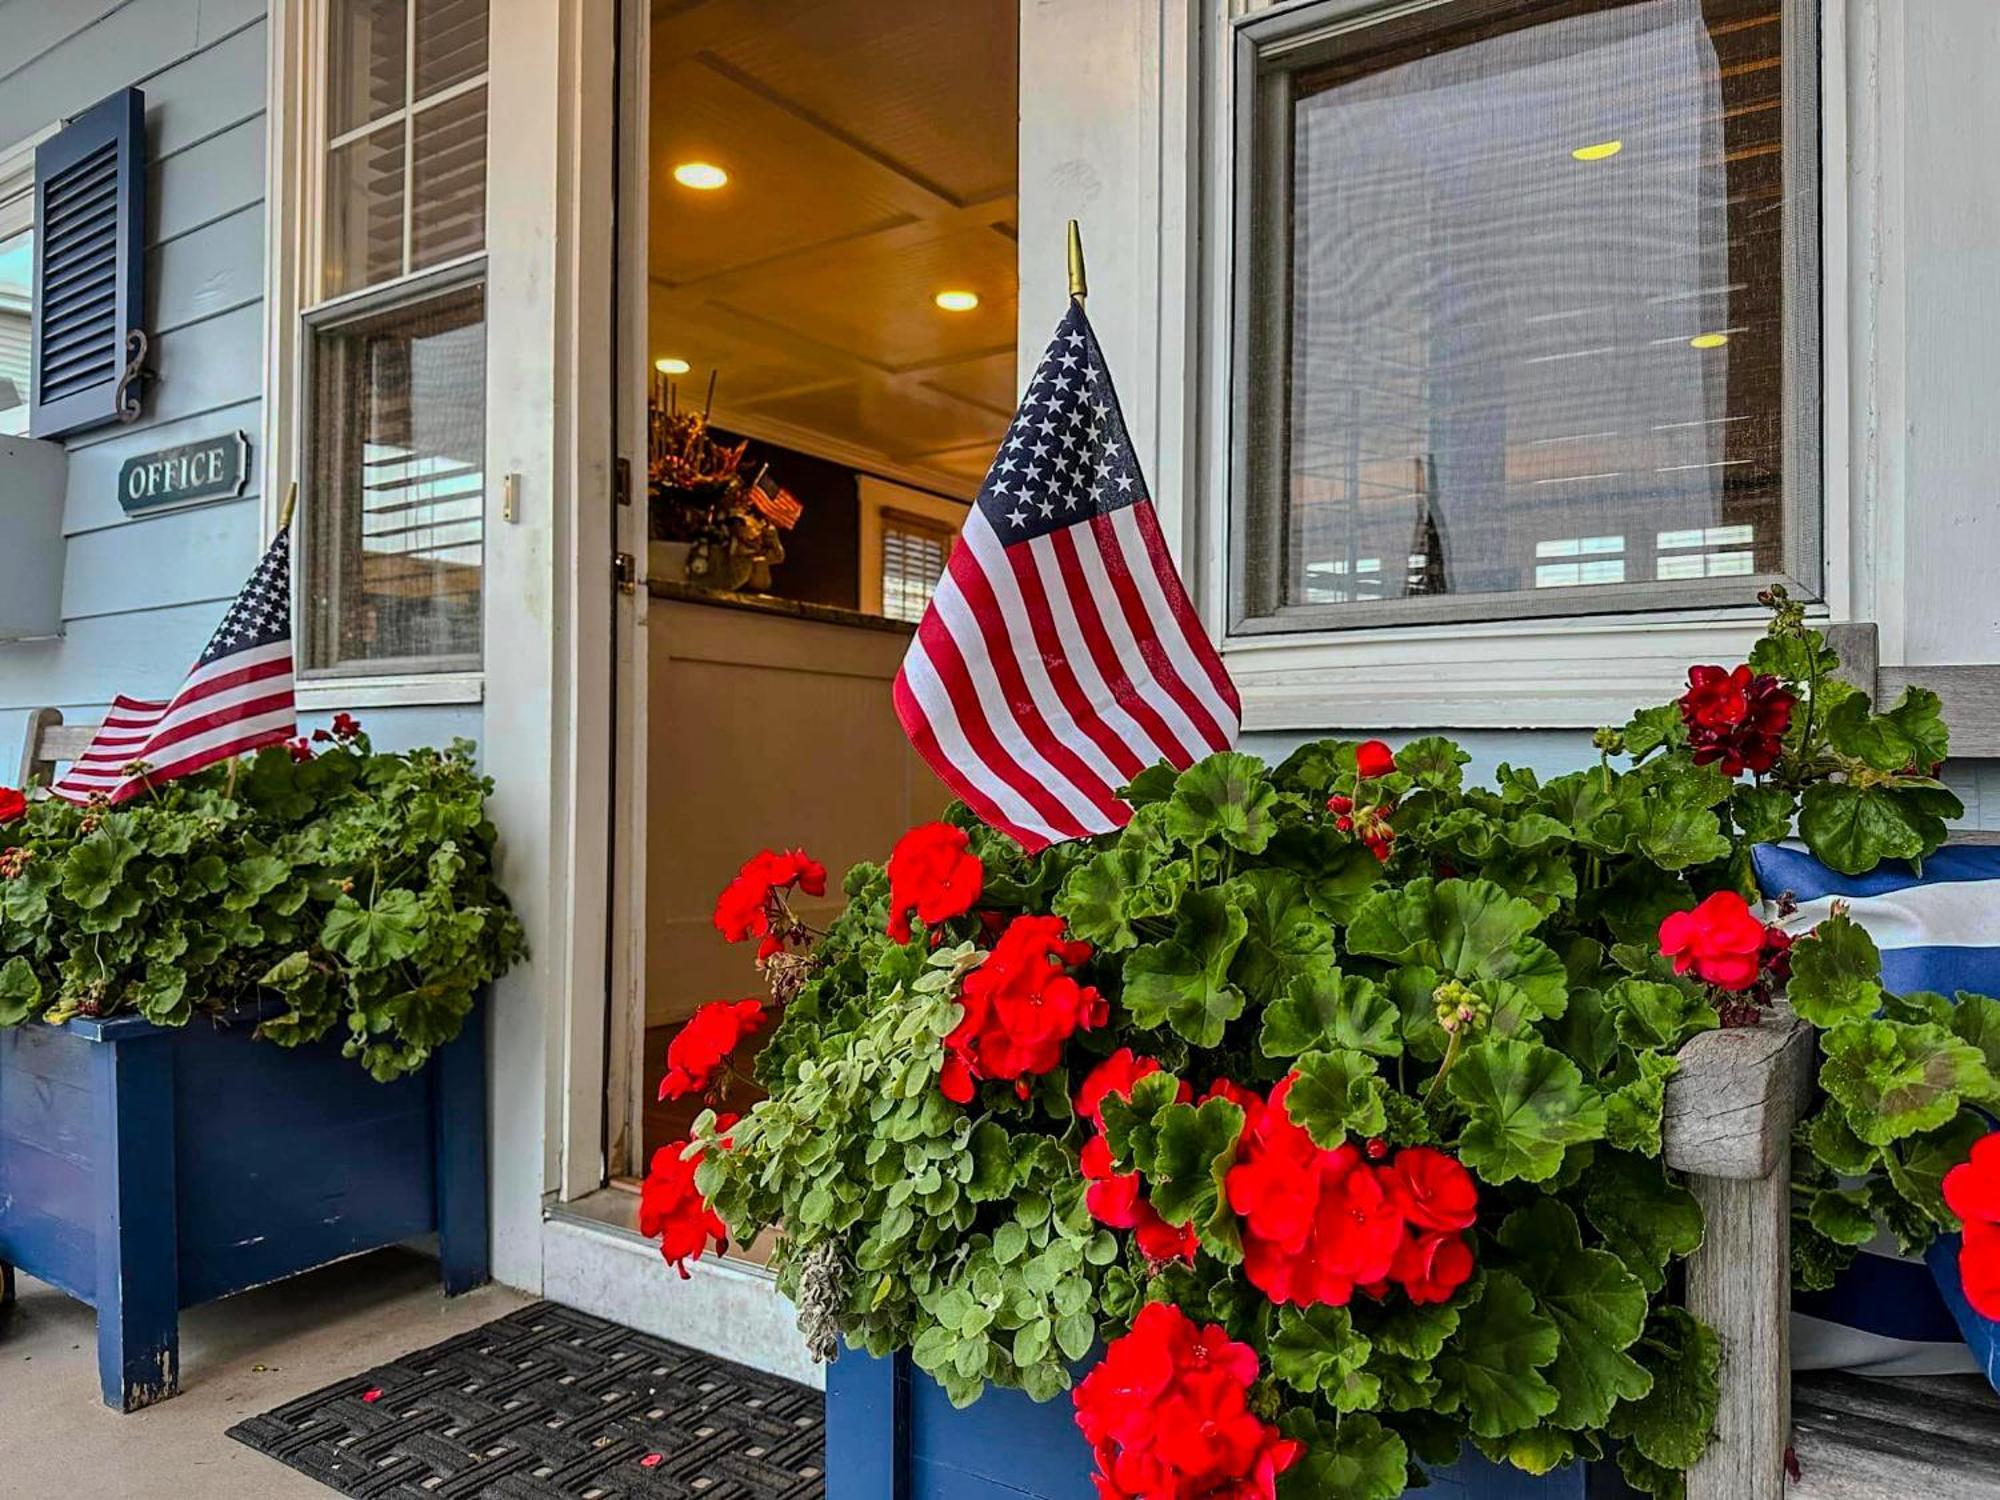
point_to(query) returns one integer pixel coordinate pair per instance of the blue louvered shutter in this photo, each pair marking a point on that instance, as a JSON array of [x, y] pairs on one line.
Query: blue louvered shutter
[[90, 230]]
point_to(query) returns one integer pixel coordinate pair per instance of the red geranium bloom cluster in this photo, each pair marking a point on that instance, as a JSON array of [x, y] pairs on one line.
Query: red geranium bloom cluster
[[301, 749], [1373, 758], [1972, 1190], [751, 902], [1118, 1199], [705, 1042], [1722, 942], [12, 803], [1738, 718], [345, 727], [672, 1209], [1370, 823], [1167, 1413], [933, 875], [1021, 1005], [1319, 1223]]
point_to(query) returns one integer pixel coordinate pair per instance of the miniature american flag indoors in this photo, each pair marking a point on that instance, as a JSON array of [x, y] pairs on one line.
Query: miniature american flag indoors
[[237, 697], [1060, 655]]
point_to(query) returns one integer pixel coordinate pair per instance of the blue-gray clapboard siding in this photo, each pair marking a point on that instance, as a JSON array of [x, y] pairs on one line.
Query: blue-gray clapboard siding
[[140, 595]]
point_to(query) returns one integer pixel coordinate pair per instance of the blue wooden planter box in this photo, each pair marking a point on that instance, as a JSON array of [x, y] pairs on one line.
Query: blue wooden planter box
[[145, 1170], [892, 1435]]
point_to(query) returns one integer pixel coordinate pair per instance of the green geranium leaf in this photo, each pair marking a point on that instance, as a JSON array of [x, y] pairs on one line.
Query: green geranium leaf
[[1194, 1148], [1096, 899], [1836, 970], [1467, 928], [1327, 1008], [1976, 1019], [20, 991], [1645, 1218], [1355, 1459], [1917, 1165], [1650, 728], [1490, 1370], [1184, 981], [1130, 1123], [1658, 1015], [1834, 1142], [1525, 1104], [1316, 1351], [1763, 813], [1896, 1079], [1671, 1423], [1853, 828], [1597, 1305], [372, 937], [1154, 784], [1433, 763], [1911, 735], [1226, 797], [1285, 936], [1795, 657], [95, 866], [1842, 1215], [1337, 1096], [1633, 1105]]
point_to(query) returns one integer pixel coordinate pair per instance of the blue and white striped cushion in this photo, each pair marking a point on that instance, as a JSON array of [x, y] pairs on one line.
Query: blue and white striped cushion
[[1938, 931]]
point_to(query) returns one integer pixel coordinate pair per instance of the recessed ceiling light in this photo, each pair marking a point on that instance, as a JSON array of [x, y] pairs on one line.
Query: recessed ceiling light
[[957, 301], [671, 366], [1708, 341], [704, 176], [1602, 151]]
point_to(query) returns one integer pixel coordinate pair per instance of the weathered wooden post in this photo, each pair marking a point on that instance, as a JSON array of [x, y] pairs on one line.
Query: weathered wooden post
[[1729, 1117]]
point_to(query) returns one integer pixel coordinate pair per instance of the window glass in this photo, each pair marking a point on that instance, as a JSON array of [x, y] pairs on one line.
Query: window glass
[[448, 177], [366, 43], [1533, 338], [914, 552], [17, 287], [364, 219], [394, 540], [451, 43]]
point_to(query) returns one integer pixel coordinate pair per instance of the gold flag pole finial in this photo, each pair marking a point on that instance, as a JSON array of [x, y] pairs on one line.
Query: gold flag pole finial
[[1077, 287], [291, 504]]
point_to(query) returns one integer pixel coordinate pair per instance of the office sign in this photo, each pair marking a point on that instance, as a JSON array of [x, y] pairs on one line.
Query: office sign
[[212, 469]]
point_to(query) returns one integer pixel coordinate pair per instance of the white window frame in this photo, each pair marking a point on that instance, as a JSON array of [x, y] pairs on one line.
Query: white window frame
[[877, 496], [17, 182], [1556, 672], [295, 178]]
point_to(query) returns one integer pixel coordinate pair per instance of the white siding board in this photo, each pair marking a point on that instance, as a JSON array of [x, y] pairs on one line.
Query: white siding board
[[207, 272], [198, 186], [161, 561]]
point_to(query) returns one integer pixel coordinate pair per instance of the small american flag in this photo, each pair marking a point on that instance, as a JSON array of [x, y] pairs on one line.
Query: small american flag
[[1060, 656], [777, 503], [237, 697]]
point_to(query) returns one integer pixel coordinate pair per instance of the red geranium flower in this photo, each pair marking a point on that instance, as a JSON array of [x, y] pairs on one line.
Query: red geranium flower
[[1167, 1413], [1735, 717], [1370, 823], [12, 803], [1118, 1199], [672, 1210], [933, 874], [1972, 1191], [1430, 1267], [1373, 758], [301, 748], [1021, 1005], [1721, 940], [705, 1042], [754, 899], [1434, 1190], [1113, 1079]]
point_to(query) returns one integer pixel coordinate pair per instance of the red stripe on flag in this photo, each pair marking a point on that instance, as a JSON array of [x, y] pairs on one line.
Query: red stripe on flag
[[985, 610], [1087, 609], [1146, 630], [954, 673], [206, 758], [1203, 649], [917, 725]]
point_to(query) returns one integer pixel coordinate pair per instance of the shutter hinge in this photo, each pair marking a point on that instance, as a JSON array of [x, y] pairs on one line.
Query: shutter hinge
[[624, 572]]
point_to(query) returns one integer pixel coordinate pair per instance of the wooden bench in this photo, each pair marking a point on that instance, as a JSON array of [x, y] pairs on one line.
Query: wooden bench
[[48, 743]]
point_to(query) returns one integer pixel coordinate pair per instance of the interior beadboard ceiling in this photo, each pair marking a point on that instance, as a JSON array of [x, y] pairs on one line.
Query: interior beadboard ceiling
[[870, 146]]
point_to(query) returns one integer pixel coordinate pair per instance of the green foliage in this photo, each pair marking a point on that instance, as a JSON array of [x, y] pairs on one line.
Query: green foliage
[[351, 893], [1488, 983]]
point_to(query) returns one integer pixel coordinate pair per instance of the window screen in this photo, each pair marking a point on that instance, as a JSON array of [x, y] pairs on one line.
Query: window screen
[[914, 551], [1531, 267], [393, 554]]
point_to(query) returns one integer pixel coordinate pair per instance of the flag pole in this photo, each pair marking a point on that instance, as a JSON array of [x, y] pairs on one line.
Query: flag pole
[[291, 504], [1077, 286]]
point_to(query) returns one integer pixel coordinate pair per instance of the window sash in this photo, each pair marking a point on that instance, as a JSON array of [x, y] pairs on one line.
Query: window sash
[[1267, 52]]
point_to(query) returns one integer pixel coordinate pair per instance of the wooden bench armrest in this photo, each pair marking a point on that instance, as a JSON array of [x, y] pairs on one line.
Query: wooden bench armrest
[[1728, 1124]]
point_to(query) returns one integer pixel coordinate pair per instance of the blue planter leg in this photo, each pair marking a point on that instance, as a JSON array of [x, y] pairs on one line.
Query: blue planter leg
[[138, 1270], [458, 1125], [868, 1427]]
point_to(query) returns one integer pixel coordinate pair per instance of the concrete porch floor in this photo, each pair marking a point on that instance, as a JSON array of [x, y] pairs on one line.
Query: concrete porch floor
[[239, 1356]]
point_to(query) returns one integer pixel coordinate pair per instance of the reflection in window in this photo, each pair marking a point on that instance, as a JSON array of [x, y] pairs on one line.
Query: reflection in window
[[17, 291], [396, 524], [1535, 337]]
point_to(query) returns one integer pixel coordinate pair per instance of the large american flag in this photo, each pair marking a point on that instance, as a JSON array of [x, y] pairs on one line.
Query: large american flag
[[237, 697], [1060, 656]]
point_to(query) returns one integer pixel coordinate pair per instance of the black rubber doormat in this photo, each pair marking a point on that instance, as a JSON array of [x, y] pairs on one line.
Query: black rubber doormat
[[548, 1402]]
